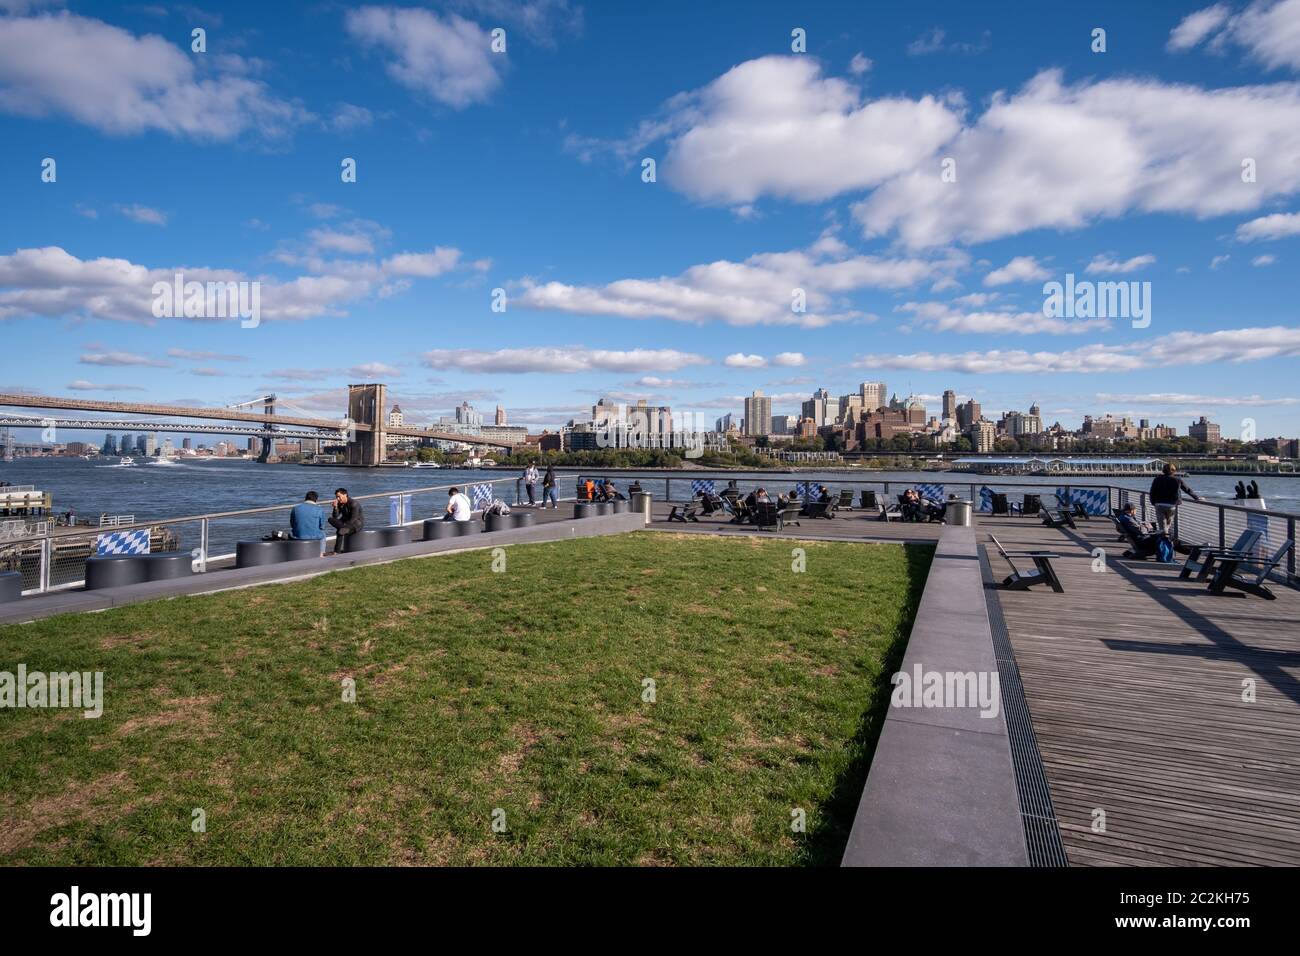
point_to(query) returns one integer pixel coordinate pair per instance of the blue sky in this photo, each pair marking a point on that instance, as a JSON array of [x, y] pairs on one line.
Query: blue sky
[[776, 170]]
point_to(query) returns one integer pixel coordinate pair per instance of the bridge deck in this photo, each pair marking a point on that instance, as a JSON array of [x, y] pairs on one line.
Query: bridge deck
[[1134, 680]]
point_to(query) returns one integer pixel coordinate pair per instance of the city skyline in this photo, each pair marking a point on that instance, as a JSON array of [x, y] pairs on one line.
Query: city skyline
[[824, 260]]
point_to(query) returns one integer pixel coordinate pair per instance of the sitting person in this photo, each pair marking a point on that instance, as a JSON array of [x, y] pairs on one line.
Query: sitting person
[[589, 490], [1144, 541], [824, 495], [635, 488], [458, 506], [710, 503], [756, 497], [911, 505], [793, 496], [345, 518], [307, 520], [611, 493]]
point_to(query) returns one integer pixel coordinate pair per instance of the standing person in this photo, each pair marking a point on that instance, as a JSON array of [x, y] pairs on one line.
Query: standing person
[[530, 481], [1167, 491], [345, 519], [307, 520], [548, 487], [458, 506]]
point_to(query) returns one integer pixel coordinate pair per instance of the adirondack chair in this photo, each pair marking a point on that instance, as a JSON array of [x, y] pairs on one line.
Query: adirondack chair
[[888, 512], [846, 499], [1043, 572], [1062, 518], [1201, 559], [868, 500], [1226, 575], [1001, 506], [818, 509], [684, 513]]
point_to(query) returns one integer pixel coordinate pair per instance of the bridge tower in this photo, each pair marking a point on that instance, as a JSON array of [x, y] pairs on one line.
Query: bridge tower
[[366, 404], [268, 440]]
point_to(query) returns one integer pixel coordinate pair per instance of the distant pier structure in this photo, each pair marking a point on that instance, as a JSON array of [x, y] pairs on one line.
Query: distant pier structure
[[1064, 465]]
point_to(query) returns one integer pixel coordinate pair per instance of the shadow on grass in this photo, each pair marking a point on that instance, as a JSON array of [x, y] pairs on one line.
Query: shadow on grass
[[826, 841]]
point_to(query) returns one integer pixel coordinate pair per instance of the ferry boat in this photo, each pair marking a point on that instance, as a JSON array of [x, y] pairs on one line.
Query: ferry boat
[[425, 464], [125, 463]]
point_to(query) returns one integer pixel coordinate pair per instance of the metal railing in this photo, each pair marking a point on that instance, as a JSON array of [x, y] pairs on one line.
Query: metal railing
[[54, 559]]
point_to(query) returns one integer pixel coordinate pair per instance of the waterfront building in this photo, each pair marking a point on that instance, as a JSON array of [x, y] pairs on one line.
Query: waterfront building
[[872, 395], [983, 435], [1205, 430], [949, 405], [758, 414]]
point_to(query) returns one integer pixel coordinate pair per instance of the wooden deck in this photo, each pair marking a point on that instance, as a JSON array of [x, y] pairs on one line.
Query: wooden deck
[[1134, 680]]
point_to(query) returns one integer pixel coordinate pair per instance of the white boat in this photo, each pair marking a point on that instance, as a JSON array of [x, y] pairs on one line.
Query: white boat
[[126, 463], [425, 464], [170, 462]]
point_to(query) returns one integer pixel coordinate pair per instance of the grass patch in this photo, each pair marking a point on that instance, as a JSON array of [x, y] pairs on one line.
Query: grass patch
[[475, 691]]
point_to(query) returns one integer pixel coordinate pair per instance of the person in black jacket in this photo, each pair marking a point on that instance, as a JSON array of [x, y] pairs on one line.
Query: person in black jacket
[[1166, 493], [345, 519]]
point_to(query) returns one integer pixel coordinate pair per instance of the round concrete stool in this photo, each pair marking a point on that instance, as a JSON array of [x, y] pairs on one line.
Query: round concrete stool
[[11, 586], [167, 565], [497, 522], [466, 527], [362, 541], [584, 509], [394, 535], [435, 529], [522, 519], [300, 549], [255, 554], [620, 507], [604, 508], [114, 571]]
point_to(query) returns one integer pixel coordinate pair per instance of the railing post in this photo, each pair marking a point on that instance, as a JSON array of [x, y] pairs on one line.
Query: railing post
[[47, 560], [1290, 555], [1222, 537], [203, 545], [668, 489]]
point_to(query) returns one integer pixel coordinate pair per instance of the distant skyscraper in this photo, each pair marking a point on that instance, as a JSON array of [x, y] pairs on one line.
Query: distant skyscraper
[[501, 415], [818, 407], [873, 395], [949, 405], [724, 424], [395, 416], [187, 443], [110, 444], [758, 414], [466, 415]]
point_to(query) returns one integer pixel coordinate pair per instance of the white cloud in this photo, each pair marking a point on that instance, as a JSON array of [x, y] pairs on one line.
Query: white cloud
[[122, 84], [1263, 260], [1019, 269], [565, 360], [349, 117], [776, 126], [758, 291], [1176, 349], [121, 358], [741, 360], [201, 355], [449, 60], [1269, 30], [374, 370], [859, 64], [1107, 265], [81, 385], [1219, 260], [1182, 398], [422, 265], [1279, 225], [941, 317], [1061, 157], [1195, 27], [789, 359], [346, 243]]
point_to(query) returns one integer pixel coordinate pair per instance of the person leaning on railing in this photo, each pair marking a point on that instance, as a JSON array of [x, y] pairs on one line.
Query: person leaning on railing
[[1167, 491]]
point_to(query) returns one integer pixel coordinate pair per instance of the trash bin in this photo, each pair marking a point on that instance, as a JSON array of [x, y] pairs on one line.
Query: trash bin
[[958, 513], [641, 504]]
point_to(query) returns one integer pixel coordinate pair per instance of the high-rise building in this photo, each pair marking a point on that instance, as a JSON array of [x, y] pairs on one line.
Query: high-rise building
[[1205, 430], [187, 443], [784, 424], [395, 417], [849, 407], [758, 414], [725, 423], [150, 444], [818, 408], [466, 415], [949, 405], [110, 444], [127, 445], [968, 414], [873, 395], [982, 435], [501, 415]]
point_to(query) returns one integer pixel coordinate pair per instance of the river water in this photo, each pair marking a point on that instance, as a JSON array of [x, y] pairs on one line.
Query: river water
[[202, 486]]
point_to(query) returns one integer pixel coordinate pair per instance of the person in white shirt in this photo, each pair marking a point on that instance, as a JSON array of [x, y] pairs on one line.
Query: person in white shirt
[[530, 481], [458, 506]]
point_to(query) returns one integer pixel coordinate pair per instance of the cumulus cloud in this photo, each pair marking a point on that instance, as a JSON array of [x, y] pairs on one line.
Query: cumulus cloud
[[81, 385], [446, 59], [566, 360], [1063, 156], [1279, 225], [1176, 349], [859, 64], [776, 126], [1019, 269], [741, 360], [114, 81], [942, 317], [1107, 265], [143, 214], [757, 291], [1263, 260], [121, 358], [789, 359], [1269, 31]]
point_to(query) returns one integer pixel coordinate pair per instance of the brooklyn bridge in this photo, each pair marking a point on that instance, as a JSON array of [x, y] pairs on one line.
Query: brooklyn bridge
[[362, 428]]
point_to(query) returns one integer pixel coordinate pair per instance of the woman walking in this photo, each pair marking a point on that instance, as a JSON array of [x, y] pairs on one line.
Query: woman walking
[[548, 487]]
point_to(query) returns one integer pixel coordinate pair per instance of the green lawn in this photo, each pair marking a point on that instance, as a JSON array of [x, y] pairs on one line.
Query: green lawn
[[476, 691]]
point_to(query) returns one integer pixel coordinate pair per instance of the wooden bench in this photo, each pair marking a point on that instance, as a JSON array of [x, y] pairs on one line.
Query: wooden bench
[[1043, 572]]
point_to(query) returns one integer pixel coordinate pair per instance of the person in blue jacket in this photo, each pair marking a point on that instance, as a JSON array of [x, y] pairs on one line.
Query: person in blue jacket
[[307, 519]]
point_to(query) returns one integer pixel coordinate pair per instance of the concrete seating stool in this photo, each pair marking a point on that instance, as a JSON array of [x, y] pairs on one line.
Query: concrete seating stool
[[584, 509], [394, 535], [497, 522], [114, 571], [255, 554], [466, 527], [604, 507], [11, 586], [435, 529], [362, 541], [300, 549], [166, 565], [522, 519], [620, 507]]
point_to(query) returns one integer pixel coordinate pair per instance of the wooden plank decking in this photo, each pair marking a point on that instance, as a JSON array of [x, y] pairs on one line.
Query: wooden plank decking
[[1134, 680]]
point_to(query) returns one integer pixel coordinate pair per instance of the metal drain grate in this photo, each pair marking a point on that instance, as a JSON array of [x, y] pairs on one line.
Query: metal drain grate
[[1042, 832]]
